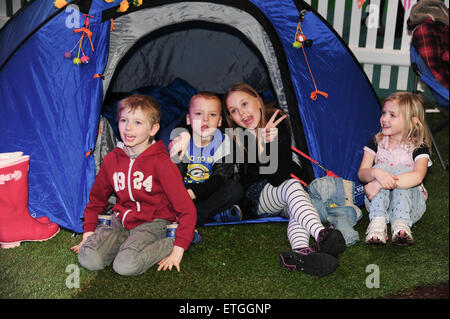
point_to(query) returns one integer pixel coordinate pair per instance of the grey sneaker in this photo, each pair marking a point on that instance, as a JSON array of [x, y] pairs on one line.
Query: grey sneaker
[[377, 231]]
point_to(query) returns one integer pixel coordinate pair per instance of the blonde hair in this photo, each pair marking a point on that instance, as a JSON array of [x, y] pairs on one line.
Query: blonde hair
[[411, 107], [148, 105]]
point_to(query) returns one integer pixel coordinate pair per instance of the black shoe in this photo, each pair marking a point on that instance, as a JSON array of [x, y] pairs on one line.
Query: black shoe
[[309, 261], [331, 241]]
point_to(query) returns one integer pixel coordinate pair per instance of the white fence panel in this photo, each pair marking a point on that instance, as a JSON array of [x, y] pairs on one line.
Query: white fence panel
[[322, 8], [338, 18], [389, 37], [8, 8], [371, 39], [355, 25], [16, 5], [403, 71], [3, 14], [391, 51]]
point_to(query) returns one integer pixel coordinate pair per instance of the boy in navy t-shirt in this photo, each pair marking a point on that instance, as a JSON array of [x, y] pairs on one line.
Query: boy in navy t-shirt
[[206, 173]]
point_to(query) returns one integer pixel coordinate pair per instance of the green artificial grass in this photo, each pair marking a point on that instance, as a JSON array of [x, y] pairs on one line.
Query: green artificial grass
[[241, 261]]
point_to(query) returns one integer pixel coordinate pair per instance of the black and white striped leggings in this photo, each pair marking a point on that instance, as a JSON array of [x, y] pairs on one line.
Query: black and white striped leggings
[[303, 217]]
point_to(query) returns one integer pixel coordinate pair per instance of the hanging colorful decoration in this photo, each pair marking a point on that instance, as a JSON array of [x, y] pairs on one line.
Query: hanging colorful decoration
[[360, 3], [85, 33], [125, 4], [301, 41], [60, 3], [300, 38]]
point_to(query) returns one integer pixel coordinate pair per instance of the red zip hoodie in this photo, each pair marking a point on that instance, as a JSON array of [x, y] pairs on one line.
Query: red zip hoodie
[[147, 187]]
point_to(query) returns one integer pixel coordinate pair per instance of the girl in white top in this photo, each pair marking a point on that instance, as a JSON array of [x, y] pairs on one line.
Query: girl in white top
[[394, 165]]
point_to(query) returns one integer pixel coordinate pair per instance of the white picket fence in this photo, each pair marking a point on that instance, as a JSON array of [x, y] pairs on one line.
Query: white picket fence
[[368, 54], [8, 8]]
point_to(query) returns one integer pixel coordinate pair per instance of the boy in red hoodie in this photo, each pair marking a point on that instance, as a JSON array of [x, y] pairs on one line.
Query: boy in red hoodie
[[150, 195]]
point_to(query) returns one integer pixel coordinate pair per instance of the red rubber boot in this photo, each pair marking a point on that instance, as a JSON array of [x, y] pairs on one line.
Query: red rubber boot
[[16, 224], [43, 219]]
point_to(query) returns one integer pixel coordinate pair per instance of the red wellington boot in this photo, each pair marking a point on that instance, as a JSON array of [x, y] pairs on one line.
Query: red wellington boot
[[43, 219], [16, 224]]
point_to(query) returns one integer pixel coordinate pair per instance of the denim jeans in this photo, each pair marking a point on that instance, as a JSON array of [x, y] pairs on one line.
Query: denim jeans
[[407, 205], [329, 197], [131, 251]]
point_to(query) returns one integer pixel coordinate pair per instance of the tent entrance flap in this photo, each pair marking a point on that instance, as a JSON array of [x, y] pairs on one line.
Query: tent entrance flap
[[133, 27], [208, 56], [209, 45]]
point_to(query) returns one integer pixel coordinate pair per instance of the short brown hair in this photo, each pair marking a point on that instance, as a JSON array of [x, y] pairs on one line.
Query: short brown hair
[[147, 104], [207, 96]]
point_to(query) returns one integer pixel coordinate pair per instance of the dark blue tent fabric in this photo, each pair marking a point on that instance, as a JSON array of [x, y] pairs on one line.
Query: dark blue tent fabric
[[50, 108], [275, 219], [173, 101], [24, 23]]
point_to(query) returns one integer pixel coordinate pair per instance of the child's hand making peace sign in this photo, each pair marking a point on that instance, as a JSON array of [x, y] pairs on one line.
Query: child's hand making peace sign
[[270, 131]]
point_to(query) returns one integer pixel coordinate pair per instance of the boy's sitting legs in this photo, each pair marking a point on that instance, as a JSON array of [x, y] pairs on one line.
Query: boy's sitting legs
[[145, 246], [228, 195], [101, 248]]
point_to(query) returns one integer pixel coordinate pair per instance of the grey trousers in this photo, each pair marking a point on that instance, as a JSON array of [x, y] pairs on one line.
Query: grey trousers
[[133, 251]]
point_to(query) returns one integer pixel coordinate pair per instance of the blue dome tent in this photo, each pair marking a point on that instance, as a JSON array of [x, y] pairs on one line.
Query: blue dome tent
[[50, 108]]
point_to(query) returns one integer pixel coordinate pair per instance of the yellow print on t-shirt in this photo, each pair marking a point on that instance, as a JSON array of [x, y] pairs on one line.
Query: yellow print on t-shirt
[[196, 173]]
